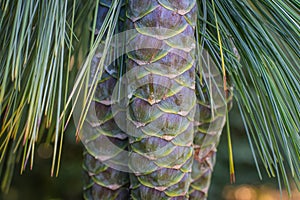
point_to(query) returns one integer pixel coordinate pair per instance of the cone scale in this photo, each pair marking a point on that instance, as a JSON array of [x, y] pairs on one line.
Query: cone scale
[[161, 111], [103, 181], [172, 129], [210, 120]]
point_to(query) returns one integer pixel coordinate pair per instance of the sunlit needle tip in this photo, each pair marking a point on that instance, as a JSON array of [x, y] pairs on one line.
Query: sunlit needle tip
[[232, 178]]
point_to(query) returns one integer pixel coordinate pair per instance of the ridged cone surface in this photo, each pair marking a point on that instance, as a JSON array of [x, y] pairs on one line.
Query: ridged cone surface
[[209, 122], [161, 111], [102, 181], [173, 148]]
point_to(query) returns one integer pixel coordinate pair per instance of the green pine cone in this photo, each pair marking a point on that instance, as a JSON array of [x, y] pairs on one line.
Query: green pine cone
[[212, 101], [104, 182], [104, 178], [161, 111]]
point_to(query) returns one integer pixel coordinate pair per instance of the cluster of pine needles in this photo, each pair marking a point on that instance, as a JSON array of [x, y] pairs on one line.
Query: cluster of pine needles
[[45, 44]]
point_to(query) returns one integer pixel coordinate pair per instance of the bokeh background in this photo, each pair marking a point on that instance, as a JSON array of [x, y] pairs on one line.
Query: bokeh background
[[36, 184]]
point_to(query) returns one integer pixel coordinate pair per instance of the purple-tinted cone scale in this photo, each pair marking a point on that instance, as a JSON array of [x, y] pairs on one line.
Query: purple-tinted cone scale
[[103, 181], [209, 123], [161, 110]]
